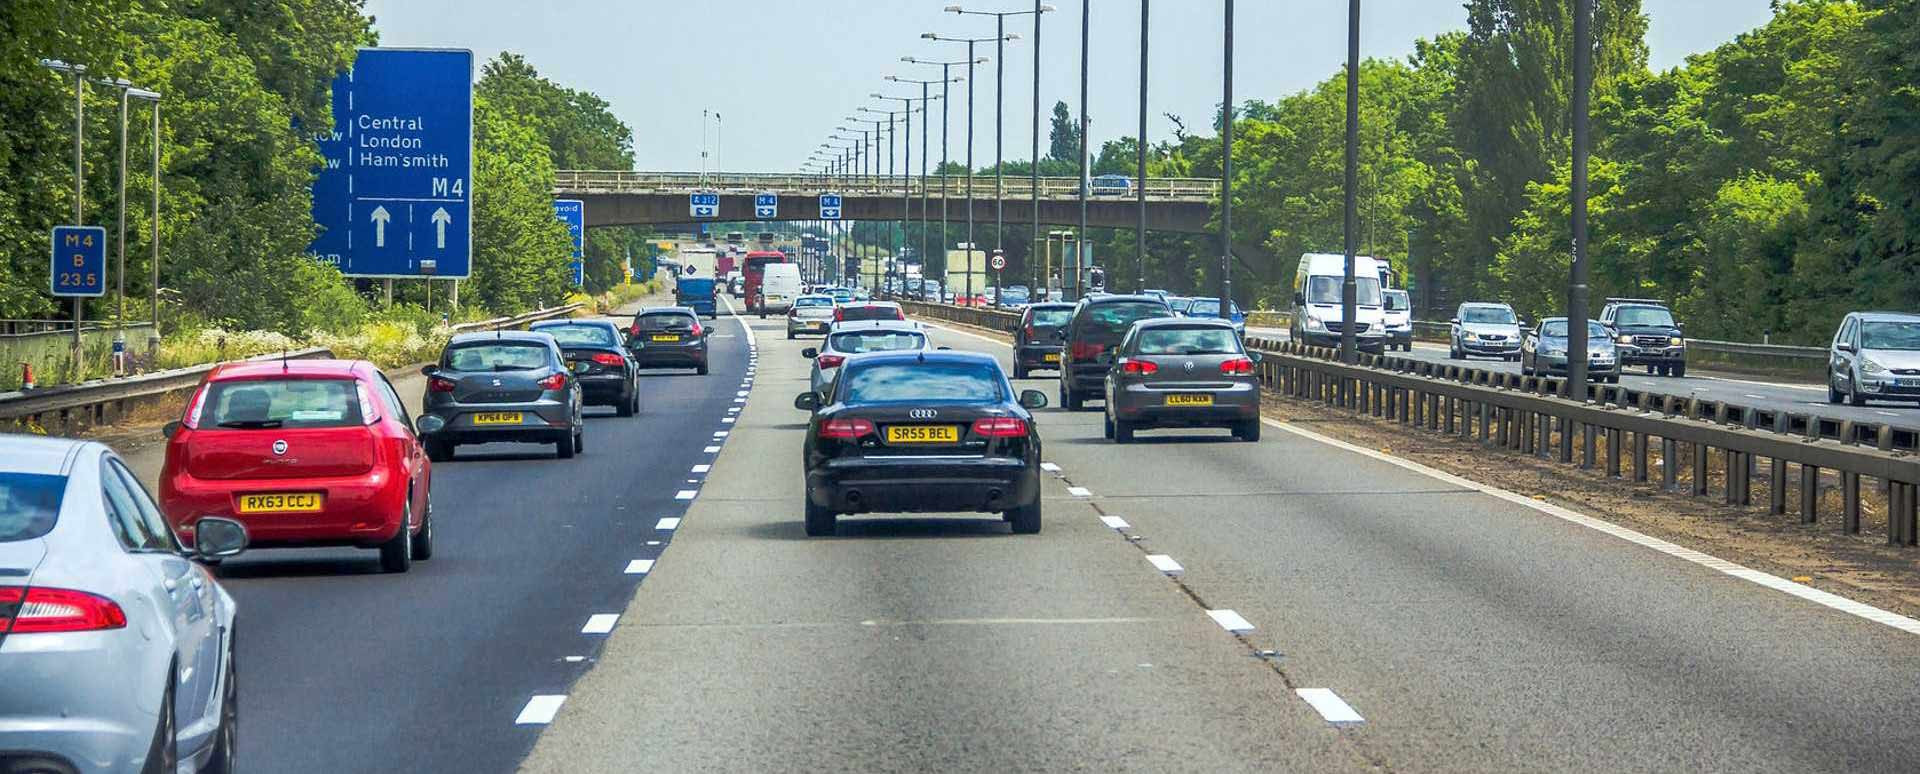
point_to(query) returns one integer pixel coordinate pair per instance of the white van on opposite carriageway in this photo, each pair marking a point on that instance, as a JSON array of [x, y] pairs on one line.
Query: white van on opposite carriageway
[[1317, 318]]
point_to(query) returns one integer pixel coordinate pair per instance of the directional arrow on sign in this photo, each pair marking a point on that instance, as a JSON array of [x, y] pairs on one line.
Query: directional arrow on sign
[[440, 221], [380, 218]]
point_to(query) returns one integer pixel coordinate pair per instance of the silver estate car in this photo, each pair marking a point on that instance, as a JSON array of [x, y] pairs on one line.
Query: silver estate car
[[501, 386], [1874, 355], [116, 648], [810, 314], [1182, 372], [1484, 330], [858, 338]]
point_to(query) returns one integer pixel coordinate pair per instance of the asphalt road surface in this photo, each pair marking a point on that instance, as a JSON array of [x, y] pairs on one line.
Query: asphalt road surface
[[1399, 620], [1758, 392]]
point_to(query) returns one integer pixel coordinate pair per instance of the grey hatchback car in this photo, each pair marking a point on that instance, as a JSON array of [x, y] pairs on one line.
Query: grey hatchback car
[[1182, 372], [669, 336], [501, 386], [117, 647]]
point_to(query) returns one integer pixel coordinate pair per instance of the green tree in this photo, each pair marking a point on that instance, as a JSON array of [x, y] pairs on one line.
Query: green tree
[[1063, 137], [521, 250]]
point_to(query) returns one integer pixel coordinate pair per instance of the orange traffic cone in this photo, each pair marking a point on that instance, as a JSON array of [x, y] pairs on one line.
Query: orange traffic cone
[[26, 377]]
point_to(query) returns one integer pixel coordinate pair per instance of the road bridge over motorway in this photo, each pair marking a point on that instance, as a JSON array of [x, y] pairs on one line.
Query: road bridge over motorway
[[616, 198]]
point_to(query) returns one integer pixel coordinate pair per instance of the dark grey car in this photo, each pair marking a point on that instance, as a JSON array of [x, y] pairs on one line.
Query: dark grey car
[[1097, 326], [501, 386], [1036, 342], [1182, 372], [669, 336]]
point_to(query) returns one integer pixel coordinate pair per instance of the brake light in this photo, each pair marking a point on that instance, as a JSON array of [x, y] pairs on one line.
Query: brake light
[[1139, 367], [440, 384], [1000, 427], [608, 359], [830, 361], [45, 611], [1085, 350], [846, 429], [900, 314], [193, 408], [839, 314], [697, 330], [1238, 366], [634, 331], [554, 382]]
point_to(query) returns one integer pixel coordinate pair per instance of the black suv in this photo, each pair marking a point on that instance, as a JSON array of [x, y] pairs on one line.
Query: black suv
[[1646, 334], [1098, 325], [1036, 342]]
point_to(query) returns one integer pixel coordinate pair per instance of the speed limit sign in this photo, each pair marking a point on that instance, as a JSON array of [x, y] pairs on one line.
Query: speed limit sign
[[998, 262]]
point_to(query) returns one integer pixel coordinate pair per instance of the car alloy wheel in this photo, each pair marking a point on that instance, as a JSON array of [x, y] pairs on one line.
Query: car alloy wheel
[[396, 555], [164, 754]]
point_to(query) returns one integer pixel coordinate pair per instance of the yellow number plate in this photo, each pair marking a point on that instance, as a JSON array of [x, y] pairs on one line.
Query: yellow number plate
[[1183, 399], [923, 434], [497, 418], [665, 337], [288, 502], [1051, 357]]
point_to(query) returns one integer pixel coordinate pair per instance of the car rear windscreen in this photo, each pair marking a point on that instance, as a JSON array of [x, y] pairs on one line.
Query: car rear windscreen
[[869, 313], [281, 403], [581, 335], [813, 301], [922, 382], [1188, 341], [1114, 319], [497, 356], [862, 342], [1052, 318], [29, 504], [664, 321]]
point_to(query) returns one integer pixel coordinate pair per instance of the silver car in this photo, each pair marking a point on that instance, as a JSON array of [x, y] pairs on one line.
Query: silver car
[[810, 314], [501, 386], [858, 338], [1874, 355], [1182, 372], [1486, 330], [115, 646]]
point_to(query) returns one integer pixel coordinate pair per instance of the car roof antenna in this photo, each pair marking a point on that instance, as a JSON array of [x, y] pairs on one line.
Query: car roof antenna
[[283, 358]]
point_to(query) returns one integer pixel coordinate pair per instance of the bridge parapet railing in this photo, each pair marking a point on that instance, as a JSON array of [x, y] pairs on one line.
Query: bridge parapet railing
[[1015, 187]]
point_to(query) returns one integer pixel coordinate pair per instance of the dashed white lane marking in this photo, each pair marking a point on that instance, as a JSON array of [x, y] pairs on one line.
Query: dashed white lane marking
[[1049, 467], [686, 494], [540, 710], [1755, 397], [1165, 564], [653, 542], [1079, 491], [639, 567], [711, 450], [1230, 621], [668, 523], [693, 481], [742, 393], [702, 468], [1114, 522], [1808, 593], [739, 400], [728, 420], [1330, 705], [1886, 413], [600, 623], [733, 409], [719, 433]]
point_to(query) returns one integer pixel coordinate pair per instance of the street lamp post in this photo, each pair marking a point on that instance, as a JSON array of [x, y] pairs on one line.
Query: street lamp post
[[1226, 170], [1577, 280], [971, 61], [1001, 36], [1140, 176], [1086, 12], [927, 106], [946, 106], [1349, 290], [79, 73]]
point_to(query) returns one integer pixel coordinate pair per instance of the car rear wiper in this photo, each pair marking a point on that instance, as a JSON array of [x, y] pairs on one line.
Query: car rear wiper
[[500, 368], [252, 424]]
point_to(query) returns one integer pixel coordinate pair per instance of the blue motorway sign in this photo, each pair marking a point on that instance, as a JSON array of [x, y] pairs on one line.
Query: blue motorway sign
[[704, 205], [79, 261], [766, 206], [573, 212], [829, 206], [393, 197]]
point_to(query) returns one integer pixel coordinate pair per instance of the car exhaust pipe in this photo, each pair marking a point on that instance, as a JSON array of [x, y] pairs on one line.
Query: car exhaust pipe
[[993, 496], [853, 498]]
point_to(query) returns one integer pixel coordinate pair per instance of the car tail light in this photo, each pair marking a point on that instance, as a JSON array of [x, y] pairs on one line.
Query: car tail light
[[45, 611], [830, 361], [900, 314], [634, 331], [193, 408], [1139, 367], [1030, 335], [1084, 350], [839, 314], [554, 382], [697, 330], [846, 429], [1000, 427], [440, 384], [608, 359], [1238, 366]]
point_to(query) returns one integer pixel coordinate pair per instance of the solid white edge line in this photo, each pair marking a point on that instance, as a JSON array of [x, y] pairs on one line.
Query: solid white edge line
[[639, 567], [1230, 621], [1165, 563], [752, 343], [600, 623], [1775, 582], [1330, 706], [668, 523], [1114, 522], [540, 710]]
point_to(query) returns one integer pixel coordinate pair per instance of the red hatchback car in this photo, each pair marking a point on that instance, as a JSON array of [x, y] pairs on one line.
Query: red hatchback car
[[305, 453]]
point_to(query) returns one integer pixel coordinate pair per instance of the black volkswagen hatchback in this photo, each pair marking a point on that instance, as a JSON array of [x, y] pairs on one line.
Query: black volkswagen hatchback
[[922, 432]]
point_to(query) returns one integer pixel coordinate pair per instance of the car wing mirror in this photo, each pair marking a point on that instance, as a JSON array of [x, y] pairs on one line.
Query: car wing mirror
[[581, 367], [707, 331], [218, 538], [1033, 399], [810, 353], [1060, 334], [167, 430], [1256, 357], [807, 401], [429, 369], [1454, 321], [1844, 346], [943, 349]]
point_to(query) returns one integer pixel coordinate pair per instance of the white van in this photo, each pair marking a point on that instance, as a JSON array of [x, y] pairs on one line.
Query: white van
[[1317, 301], [779, 286]]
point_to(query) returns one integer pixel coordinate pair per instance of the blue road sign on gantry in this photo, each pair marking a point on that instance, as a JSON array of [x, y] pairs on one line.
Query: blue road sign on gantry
[[703, 205], [393, 198], [829, 206], [766, 206], [573, 212], [79, 261]]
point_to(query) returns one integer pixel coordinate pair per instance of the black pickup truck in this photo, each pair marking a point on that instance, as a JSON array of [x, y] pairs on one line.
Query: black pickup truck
[[1645, 334]]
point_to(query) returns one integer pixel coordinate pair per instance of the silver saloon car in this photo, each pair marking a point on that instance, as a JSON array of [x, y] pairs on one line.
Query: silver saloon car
[[116, 647], [1182, 372], [810, 314]]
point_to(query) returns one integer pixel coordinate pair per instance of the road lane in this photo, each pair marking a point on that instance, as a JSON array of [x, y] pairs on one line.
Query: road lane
[[1476, 634], [915, 643], [348, 669]]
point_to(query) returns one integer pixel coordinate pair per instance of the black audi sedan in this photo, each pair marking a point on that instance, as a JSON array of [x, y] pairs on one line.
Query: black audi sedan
[[596, 351], [922, 432]]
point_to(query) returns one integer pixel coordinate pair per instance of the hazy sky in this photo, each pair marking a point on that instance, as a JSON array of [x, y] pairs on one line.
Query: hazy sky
[[784, 74]]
